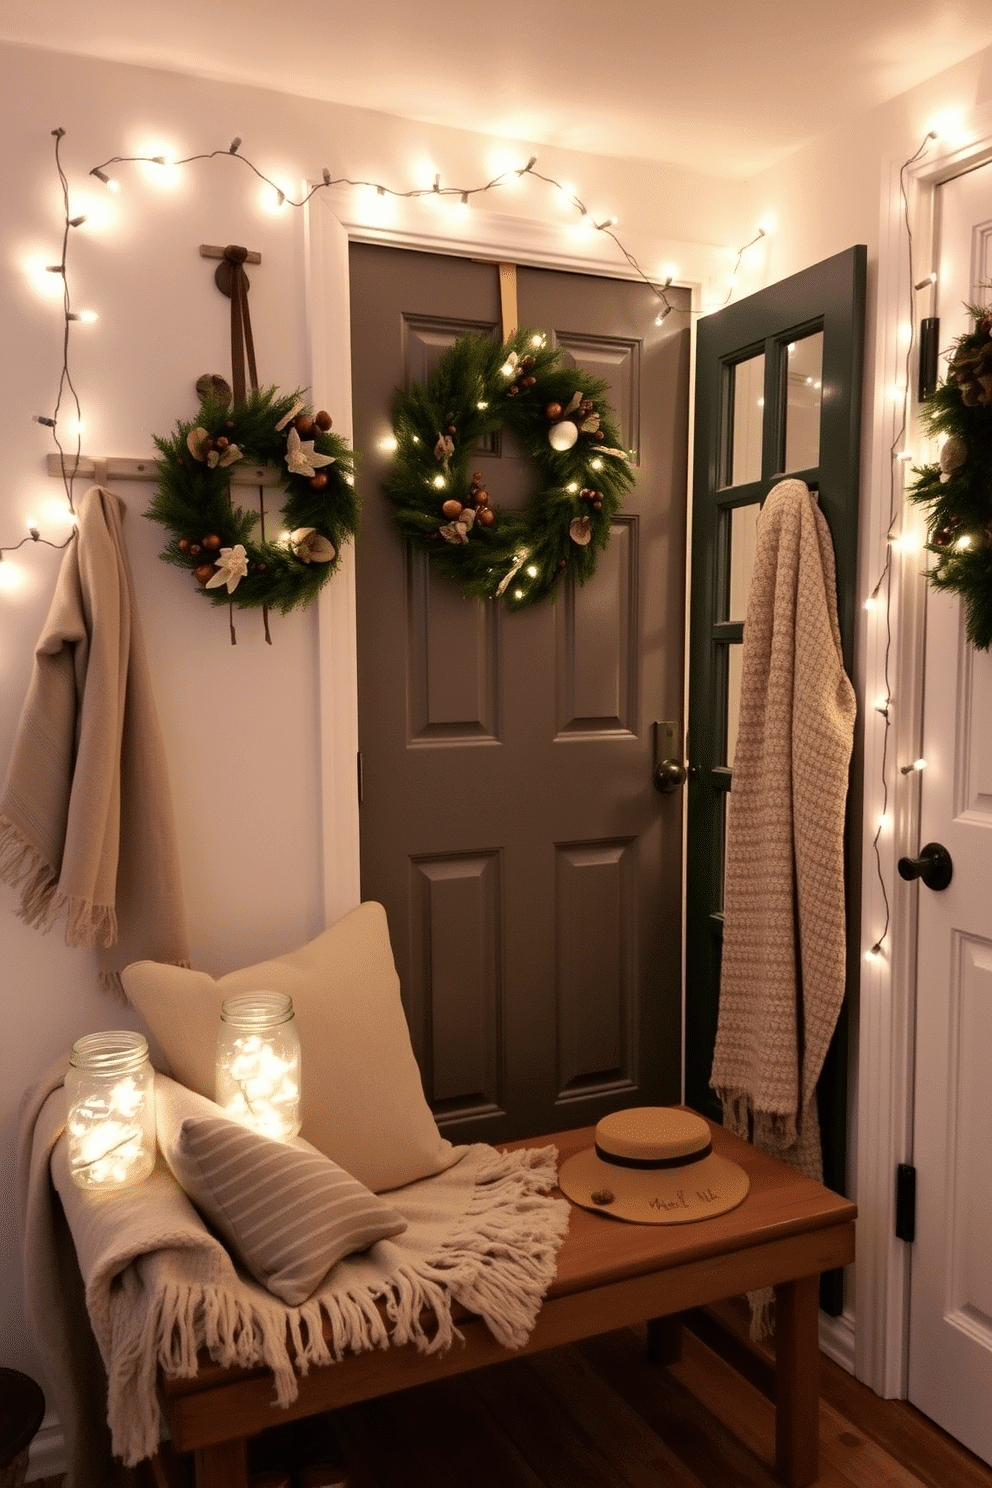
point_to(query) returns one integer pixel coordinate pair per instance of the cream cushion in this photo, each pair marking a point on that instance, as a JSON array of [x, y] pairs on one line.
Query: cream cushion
[[286, 1211], [363, 1103]]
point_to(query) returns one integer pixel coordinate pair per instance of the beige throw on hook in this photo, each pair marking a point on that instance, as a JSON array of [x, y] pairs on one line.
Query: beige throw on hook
[[86, 826], [784, 947]]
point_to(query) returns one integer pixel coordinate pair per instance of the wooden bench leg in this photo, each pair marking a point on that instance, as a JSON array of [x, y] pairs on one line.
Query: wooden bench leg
[[224, 1465], [797, 1381], [665, 1339]]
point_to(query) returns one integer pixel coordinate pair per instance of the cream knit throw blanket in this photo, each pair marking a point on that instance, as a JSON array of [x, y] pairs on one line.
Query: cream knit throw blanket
[[782, 981], [86, 827], [158, 1286]]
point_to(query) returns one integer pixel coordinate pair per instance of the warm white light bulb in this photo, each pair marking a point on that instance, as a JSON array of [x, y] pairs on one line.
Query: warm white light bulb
[[273, 197], [439, 482], [388, 444], [531, 571], [158, 167]]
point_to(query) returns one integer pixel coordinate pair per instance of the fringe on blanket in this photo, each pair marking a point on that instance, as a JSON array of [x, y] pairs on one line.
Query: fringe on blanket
[[510, 1218], [42, 905]]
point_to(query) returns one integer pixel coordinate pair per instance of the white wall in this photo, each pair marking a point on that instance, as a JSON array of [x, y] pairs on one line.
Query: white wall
[[241, 724]]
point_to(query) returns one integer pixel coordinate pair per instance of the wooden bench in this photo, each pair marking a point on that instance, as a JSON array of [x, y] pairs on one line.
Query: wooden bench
[[610, 1275]]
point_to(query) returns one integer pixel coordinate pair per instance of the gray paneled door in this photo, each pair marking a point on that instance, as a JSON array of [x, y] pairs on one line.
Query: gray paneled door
[[530, 871]]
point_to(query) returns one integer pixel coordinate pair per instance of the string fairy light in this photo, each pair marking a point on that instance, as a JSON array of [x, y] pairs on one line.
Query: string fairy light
[[66, 387], [732, 276], [899, 459], [69, 461], [437, 189]]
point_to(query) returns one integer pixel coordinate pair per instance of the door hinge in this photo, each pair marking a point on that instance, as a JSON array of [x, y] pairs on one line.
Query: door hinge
[[906, 1202], [361, 781], [929, 365]]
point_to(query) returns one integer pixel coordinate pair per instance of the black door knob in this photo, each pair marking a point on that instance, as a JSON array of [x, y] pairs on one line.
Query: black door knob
[[668, 775], [933, 866]]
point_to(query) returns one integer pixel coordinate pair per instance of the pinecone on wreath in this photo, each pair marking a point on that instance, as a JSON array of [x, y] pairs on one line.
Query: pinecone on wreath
[[970, 369]]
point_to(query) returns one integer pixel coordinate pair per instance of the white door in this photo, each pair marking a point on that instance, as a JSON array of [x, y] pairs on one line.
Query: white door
[[950, 1364]]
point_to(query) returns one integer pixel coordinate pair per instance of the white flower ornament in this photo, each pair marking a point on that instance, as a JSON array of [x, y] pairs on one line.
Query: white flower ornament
[[232, 565], [301, 456]]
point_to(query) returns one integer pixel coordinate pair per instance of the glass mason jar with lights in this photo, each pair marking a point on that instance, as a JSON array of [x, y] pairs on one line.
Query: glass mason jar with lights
[[258, 1063], [110, 1088]]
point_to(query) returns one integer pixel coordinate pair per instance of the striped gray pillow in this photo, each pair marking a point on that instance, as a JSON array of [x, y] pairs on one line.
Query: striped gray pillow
[[287, 1211]]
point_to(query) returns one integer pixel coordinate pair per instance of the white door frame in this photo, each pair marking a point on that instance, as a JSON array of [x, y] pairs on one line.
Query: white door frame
[[887, 1022], [335, 218]]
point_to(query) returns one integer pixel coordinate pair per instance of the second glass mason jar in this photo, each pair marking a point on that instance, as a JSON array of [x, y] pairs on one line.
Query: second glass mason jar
[[258, 1063], [110, 1126]]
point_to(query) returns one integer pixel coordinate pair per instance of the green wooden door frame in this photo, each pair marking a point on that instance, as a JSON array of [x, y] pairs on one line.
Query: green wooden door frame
[[829, 296]]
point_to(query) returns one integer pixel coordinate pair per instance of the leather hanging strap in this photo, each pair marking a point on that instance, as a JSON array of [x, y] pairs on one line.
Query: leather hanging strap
[[231, 280], [508, 298]]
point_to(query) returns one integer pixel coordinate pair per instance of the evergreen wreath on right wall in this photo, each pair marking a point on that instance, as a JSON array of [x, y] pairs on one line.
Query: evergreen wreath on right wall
[[958, 490]]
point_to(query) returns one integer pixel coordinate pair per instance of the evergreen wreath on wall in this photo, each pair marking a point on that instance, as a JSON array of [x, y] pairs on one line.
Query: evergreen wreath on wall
[[958, 490], [566, 429], [215, 540]]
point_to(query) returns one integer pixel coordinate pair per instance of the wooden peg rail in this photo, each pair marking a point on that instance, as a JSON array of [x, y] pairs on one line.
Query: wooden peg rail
[[123, 468], [210, 250]]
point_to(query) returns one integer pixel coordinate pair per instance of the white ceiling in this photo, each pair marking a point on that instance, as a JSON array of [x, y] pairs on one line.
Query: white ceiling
[[713, 85]]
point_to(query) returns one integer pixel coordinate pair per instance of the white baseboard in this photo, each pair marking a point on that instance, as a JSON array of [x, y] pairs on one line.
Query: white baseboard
[[837, 1339], [47, 1457]]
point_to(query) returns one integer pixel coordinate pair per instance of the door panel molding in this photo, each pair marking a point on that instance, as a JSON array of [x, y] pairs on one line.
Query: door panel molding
[[452, 691], [455, 1000], [595, 887], [599, 621]]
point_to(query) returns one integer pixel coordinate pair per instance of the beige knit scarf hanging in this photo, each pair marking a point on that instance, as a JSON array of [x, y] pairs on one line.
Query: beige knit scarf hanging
[[86, 828], [784, 947]]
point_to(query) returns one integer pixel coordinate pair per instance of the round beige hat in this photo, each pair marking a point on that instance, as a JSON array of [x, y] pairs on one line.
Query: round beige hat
[[653, 1165]]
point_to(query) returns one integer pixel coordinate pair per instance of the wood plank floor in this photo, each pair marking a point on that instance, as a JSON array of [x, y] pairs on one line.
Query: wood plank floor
[[601, 1415]]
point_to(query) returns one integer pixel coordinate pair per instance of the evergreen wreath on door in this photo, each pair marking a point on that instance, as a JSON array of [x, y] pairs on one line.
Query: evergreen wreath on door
[[567, 431], [958, 489]]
